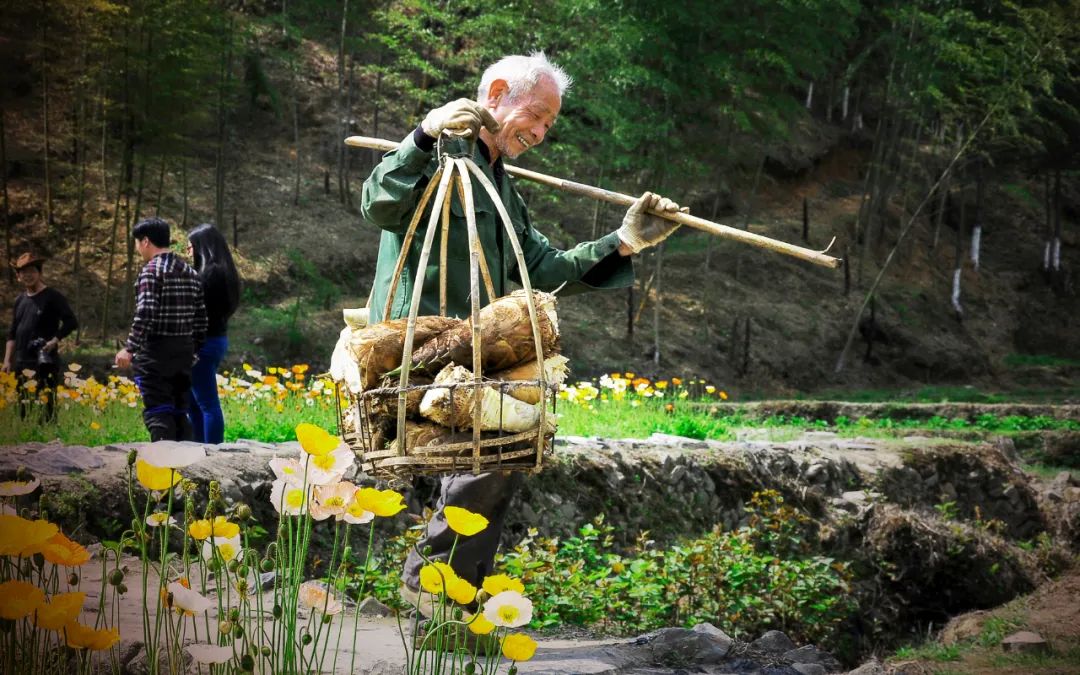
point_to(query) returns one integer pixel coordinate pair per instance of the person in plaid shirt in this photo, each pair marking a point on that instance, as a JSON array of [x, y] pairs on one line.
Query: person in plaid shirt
[[166, 333]]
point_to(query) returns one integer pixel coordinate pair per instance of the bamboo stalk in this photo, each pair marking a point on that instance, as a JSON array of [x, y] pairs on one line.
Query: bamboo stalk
[[809, 255]]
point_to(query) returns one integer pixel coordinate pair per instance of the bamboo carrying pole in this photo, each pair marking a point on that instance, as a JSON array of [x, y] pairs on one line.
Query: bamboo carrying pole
[[816, 257]]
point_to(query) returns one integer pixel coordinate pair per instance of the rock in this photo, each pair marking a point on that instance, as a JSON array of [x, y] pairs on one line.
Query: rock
[[266, 580], [139, 665], [963, 628], [678, 646], [369, 606], [773, 642], [713, 632], [872, 667], [809, 668], [1025, 642], [809, 654]]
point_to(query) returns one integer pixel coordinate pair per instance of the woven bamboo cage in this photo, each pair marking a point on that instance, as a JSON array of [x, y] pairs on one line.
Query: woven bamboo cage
[[417, 448]]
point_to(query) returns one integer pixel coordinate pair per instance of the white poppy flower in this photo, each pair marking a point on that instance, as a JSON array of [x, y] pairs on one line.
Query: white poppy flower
[[229, 548], [332, 500], [355, 514], [508, 609], [171, 455], [159, 518], [328, 468], [314, 595], [288, 499], [188, 600], [207, 653], [289, 470], [18, 488]]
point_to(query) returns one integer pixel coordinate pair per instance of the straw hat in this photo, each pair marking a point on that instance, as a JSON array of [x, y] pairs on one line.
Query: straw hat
[[27, 259]]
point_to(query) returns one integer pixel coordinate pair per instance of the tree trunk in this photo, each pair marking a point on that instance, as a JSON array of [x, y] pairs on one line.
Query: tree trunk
[[6, 212], [132, 218], [1055, 250], [750, 206], [709, 240], [810, 96], [339, 146], [184, 189], [160, 186], [656, 306], [958, 256], [976, 220], [347, 130], [112, 258], [1048, 241], [80, 195], [805, 221], [596, 205], [49, 221], [224, 79], [844, 104], [630, 312]]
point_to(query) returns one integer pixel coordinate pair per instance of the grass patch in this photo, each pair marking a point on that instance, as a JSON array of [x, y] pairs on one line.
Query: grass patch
[[1044, 471], [1039, 360], [930, 651], [1066, 661]]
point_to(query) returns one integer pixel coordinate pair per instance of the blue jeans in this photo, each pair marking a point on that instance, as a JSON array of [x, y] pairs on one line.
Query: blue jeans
[[205, 410]]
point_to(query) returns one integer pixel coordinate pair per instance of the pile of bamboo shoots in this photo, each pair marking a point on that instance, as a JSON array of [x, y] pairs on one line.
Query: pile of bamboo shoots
[[367, 363]]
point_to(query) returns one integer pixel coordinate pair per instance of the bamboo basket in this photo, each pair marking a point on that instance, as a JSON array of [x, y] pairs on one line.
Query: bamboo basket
[[473, 450]]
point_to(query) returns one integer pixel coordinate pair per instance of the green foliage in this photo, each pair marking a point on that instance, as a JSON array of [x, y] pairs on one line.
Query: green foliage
[[756, 578], [931, 652], [1041, 360]]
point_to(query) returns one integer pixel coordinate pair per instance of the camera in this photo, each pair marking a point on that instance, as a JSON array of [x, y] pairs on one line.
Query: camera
[[45, 357]]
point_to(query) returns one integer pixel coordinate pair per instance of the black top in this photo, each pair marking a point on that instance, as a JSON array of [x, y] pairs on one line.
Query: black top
[[219, 306], [45, 314]]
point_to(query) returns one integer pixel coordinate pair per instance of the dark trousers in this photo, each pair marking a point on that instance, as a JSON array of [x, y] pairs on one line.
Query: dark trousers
[[488, 494], [163, 374], [46, 378], [205, 414]]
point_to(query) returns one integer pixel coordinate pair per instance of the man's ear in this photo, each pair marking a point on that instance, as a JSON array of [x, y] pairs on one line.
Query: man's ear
[[497, 90]]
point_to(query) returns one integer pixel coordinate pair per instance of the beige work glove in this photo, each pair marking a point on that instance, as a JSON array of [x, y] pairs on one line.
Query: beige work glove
[[461, 117], [640, 229]]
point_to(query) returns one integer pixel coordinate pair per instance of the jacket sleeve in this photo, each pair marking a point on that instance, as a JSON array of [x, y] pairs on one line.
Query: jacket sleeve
[[394, 187], [146, 307], [588, 266]]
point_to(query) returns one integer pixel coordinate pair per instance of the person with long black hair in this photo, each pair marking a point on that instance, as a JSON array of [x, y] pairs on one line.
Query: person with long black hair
[[221, 287]]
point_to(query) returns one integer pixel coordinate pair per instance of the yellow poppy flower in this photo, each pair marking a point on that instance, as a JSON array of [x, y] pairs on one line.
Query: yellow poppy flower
[[80, 636], [314, 440], [518, 647], [463, 521], [59, 550], [460, 591], [200, 530], [59, 611], [18, 533], [497, 583], [435, 577], [19, 599], [384, 503], [156, 478], [480, 625]]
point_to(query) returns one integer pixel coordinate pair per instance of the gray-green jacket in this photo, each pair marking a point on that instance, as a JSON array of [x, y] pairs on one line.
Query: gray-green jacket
[[390, 197]]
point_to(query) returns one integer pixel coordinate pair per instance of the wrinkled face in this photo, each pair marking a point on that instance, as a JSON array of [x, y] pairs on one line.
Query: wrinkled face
[[525, 121]]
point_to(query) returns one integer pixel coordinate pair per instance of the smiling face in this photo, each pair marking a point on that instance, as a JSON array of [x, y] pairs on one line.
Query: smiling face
[[29, 276], [525, 121]]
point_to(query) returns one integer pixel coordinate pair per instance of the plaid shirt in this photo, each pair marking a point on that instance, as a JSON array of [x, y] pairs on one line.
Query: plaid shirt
[[168, 303]]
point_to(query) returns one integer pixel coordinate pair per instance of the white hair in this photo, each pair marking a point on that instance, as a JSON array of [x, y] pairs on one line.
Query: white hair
[[522, 73]]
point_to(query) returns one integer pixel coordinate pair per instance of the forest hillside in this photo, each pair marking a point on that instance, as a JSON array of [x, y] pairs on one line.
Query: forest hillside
[[935, 144]]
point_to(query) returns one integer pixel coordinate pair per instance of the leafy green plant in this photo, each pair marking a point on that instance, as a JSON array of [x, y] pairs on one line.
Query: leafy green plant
[[758, 577]]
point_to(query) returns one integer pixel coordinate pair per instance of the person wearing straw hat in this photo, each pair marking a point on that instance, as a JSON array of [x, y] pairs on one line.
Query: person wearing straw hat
[[518, 101], [41, 318]]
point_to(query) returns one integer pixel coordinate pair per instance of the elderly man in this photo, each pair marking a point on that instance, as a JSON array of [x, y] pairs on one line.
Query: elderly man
[[41, 319], [518, 101]]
